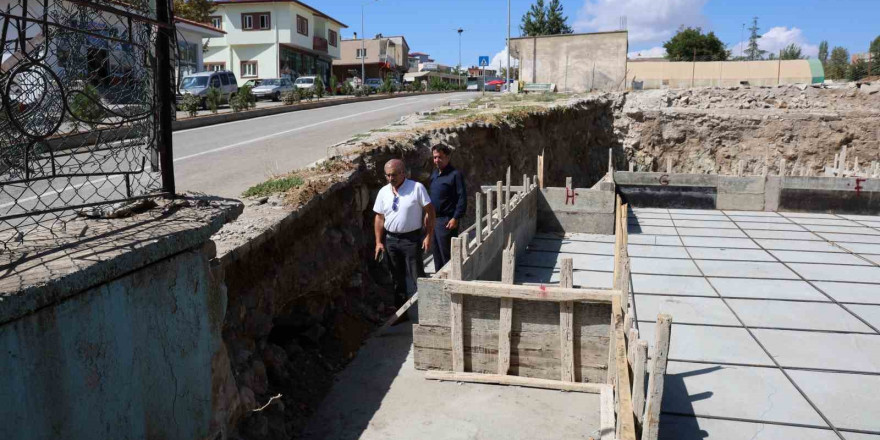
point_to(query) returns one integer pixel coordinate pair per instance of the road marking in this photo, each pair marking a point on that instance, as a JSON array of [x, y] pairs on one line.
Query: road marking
[[408, 99], [52, 193], [292, 130]]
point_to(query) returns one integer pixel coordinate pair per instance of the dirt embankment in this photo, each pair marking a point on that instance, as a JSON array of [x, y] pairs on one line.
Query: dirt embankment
[[709, 130]]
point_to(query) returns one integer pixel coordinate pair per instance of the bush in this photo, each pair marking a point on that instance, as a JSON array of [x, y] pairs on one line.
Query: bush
[[361, 91], [333, 85], [417, 85], [212, 99], [244, 100], [347, 89], [290, 97], [318, 89], [306, 94], [387, 85], [190, 104], [86, 106]]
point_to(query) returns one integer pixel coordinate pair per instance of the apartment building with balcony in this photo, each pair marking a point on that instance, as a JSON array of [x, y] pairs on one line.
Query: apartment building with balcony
[[381, 55], [271, 39]]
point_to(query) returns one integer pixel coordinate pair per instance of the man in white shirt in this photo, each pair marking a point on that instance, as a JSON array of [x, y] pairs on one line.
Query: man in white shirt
[[403, 211]]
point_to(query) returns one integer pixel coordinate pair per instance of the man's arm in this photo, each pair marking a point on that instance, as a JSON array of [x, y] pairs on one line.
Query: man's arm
[[430, 215], [461, 204], [378, 229]]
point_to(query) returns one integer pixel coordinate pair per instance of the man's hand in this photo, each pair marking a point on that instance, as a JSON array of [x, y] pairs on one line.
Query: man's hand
[[379, 248], [426, 243], [452, 223]]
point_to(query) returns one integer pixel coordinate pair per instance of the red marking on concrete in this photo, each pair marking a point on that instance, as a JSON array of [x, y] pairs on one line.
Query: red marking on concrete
[[543, 290], [569, 194], [664, 179], [858, 187]]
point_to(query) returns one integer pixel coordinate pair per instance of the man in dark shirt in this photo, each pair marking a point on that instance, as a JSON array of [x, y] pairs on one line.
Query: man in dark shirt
[[449, 197]]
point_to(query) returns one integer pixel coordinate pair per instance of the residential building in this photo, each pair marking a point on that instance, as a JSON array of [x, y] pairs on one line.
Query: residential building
[[480, 71], [271, 39], [380, 55], [190, 34]]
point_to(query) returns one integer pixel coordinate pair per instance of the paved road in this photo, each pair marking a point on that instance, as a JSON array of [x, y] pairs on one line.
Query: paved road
[[226, 159]]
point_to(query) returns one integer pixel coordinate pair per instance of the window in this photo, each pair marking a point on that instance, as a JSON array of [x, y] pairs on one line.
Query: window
[[302, 25], [214, 67], [331, 37], [255, 21], [248, 69], [224, 79], [215, 82], [231, 78], [216, 21], [361, 53]]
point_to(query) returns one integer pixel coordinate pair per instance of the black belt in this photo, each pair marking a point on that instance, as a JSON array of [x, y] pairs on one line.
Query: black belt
[[409, 234]]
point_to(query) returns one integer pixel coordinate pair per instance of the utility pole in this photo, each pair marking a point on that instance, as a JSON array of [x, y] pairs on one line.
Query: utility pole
[[507, 79], [460, 30], [742, 35]]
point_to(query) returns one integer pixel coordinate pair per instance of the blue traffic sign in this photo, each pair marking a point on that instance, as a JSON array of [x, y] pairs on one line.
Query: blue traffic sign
[[484, 61]]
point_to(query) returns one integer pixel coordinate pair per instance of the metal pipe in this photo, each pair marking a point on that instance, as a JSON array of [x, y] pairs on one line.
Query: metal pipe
[[163, 72]]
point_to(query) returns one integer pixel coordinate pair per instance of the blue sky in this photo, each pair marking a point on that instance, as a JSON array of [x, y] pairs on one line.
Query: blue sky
[[429, 25]]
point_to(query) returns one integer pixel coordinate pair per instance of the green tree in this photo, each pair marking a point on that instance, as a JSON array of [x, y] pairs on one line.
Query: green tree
[[534, 21], [823, 52], [857, 70], [838, 63], [556, 20], [753, 52], [196, 10], [690, 41], [874, 53], [791, 52]]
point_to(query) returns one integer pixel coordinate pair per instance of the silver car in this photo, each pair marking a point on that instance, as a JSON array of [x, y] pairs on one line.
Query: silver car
[[272, 88]]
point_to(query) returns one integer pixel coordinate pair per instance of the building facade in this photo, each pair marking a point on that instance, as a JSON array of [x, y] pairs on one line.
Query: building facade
[[190, 34], [272, 39], [380, 56], [677, 75]]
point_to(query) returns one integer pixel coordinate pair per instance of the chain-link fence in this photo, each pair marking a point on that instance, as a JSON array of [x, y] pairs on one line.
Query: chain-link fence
[[83, 96]]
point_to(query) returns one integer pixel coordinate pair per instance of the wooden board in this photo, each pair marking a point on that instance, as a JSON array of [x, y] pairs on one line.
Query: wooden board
[[591, 388], [529, 293], [626, 428], [566, 323]]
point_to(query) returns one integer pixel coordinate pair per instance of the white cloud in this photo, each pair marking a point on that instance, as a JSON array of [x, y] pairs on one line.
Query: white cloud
[[654, 52], [648, 21], [500, 60], [776, 39]]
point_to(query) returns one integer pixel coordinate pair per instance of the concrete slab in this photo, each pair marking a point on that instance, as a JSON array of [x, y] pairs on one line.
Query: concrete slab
[[706, 253], [843, 229], [750, 226], [797, 245], [698, 428], [823, 221], [808, 215], [861, 248], [675, 285], [786, 235], [773, 289], [831, 272], [661, 240], [684, 310], [759, 219], [655, 230], [721, 224], [552, 259], [719, 242], [693, 211], [852, 402], [709, 232], [830, 351], [571, 246], [851, 292], [872, 224], [581, 278], [850, 238], [649, 222], [870, 218], [640, 250], [579, 236], [745, 269], [637, 210], [796, 315], [754, 393], [872, 258], [860, 436], [382, 396], [662, 266], [649, 215], [750, 213], [709, 344], [868, 313], [818, 257]]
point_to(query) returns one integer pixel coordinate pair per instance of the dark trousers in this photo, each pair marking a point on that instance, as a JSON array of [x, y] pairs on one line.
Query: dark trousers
[[407, 265], [442, 242]]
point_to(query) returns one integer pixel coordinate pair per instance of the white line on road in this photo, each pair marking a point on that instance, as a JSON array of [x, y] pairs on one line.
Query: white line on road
[[262, 138], [53, 192]]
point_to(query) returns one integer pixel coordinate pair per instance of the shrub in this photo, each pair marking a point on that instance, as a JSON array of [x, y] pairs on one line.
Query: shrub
[[190, 104], [417, 85], [212, 99], [318, 89], [273, 186], [333, 85], [347, 89], [290, 97], [86, 106], [243, 100]]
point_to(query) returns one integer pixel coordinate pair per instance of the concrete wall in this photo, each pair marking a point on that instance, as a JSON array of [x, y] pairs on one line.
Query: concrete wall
[[662, 74], [591, 211], [574, 62]]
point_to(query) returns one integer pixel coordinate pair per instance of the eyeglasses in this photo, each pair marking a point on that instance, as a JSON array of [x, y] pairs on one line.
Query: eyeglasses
[[394, 205]]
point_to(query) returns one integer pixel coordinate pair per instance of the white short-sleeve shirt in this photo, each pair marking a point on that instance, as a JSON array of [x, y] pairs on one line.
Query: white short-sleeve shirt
[[411, 198]]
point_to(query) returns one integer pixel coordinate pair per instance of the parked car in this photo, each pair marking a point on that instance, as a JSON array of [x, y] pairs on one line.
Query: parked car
[[253, 83], [273, 88], [305, 82], [373, 83], [198, 84]]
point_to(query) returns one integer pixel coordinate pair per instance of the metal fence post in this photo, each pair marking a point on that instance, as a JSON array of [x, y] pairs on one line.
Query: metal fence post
[[164, 38]]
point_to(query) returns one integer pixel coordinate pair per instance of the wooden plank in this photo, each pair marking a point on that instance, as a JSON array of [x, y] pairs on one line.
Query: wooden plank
[[505, 319], [530, 293], [592, 388], [566, 322], [456, 259], [412, 300], [626, 421], [507, 193], [502, 208], [478, 207], [606, 414], [456, 332], [651, 424], [640, 362], [489, 212], [540, 176], [631, 344]]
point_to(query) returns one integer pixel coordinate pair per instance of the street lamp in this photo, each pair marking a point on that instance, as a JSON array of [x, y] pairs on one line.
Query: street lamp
[[363, 44], [507, 76], [460, 30]]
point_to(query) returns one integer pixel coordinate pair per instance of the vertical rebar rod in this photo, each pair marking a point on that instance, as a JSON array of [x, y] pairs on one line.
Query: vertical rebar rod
[[163, 83]]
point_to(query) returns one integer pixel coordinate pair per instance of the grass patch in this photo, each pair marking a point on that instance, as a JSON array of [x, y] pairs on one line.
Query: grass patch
[[273, 186], [380, 130]]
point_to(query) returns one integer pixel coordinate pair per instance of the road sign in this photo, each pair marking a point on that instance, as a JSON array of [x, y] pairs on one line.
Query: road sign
[[484, 61]]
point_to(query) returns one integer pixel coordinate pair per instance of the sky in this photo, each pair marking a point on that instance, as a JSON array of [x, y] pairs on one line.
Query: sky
[[430, 25]]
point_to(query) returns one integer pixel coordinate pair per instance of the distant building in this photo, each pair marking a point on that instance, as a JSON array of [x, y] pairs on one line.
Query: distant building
[[189, 45], [677, 75], [860, 56], [478, 71], [270, 39], [380, 56]]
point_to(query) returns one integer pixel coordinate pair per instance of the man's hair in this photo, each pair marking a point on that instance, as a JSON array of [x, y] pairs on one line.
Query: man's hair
[[442, 148]]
